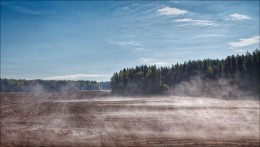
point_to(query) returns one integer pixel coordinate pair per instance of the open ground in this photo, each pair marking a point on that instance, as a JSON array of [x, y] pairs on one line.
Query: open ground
[[94, 118]]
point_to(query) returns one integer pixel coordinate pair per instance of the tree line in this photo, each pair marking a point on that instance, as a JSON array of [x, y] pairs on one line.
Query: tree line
[[14, 85], [240, 70]]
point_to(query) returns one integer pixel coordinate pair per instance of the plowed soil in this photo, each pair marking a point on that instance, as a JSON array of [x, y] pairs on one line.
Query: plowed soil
[[94, 118]]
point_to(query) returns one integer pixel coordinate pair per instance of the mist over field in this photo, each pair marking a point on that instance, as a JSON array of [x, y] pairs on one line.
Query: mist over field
[[92, 118], [219, 88]]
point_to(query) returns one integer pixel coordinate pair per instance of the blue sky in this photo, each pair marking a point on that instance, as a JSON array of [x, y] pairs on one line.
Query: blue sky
[[91, 40]]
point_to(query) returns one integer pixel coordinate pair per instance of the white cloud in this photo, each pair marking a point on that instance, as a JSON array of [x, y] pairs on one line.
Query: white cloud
[[237, 17], [241, 50], [75, 77], [197, 22], [150, 61], [245, 42], [171, 11], [145, 60]]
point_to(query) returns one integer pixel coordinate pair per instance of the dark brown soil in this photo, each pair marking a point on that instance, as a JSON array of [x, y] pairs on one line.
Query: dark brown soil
[[93, 118]]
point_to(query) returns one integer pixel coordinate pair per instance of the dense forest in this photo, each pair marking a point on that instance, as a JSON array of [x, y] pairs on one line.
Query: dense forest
[[241, 71], [12, 85]]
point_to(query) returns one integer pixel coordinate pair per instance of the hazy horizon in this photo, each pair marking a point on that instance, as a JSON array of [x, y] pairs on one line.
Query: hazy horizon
[[92, 40]]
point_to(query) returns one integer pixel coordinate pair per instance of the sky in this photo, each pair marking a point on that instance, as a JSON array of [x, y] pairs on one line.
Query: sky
[[90, 40]]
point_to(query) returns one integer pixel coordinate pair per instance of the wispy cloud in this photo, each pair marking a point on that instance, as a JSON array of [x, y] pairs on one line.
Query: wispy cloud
[[245, 42], [150, 61], [75, 77], [135, 4], [26, 10], [125, 43], [129, 43], [237, 17], [138, 49], [134, 46], [197, 22], [174, 1], [171, 11]]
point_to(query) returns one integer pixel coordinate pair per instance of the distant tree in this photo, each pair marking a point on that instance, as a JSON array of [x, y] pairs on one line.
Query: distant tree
[[12, 85]]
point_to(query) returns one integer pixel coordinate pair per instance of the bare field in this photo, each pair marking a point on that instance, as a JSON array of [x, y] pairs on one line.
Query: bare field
[[92, 118]]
